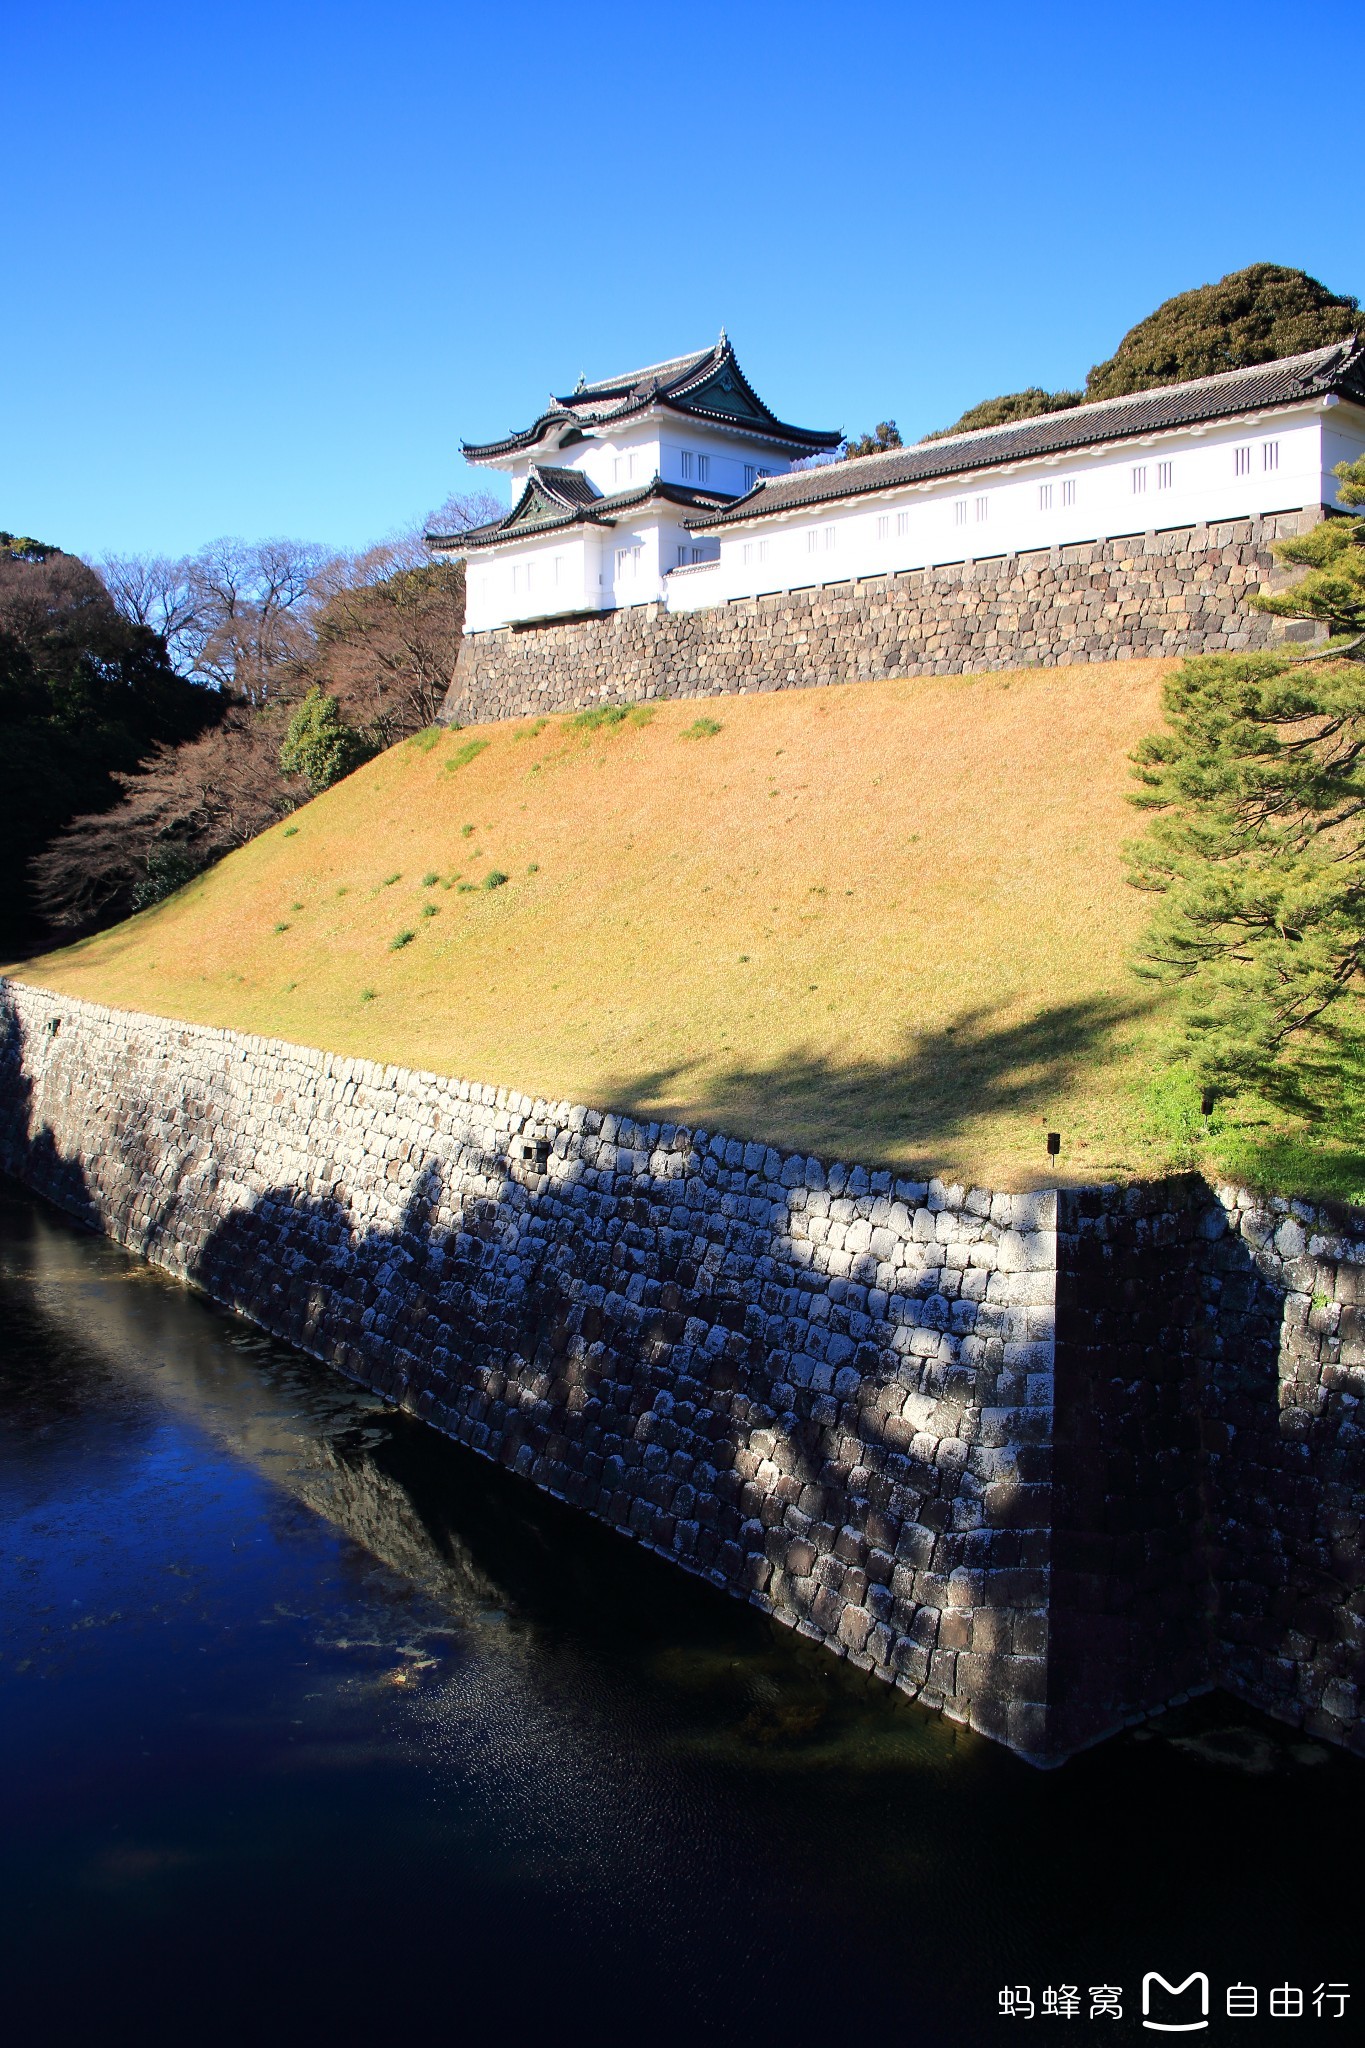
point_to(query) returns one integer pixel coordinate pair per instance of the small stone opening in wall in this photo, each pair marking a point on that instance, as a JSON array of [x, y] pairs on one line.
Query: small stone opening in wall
[[54, 1025]]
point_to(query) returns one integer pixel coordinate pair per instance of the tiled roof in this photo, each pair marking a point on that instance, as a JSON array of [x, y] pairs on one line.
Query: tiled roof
[[707, 385], [589, 509], [1337, 370], [630, 380]]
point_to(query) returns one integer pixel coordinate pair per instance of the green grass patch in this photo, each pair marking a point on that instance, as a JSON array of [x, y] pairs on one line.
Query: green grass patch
[[423, 742], [599, 718], [290, 832], [470, 751], [702, 729], [495, 878], [401, 939]]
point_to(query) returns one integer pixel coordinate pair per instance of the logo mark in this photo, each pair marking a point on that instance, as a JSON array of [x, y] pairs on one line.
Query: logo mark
[[1196, 1977]]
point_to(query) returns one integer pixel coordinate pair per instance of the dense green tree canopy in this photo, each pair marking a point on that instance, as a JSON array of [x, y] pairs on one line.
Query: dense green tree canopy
[[1251, 316]]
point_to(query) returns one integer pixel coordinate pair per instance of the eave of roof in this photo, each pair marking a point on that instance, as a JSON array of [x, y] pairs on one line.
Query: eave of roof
[[594, 512], [1335, 371]]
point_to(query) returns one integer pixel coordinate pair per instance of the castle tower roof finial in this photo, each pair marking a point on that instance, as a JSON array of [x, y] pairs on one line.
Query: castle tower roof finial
[[724, 341]]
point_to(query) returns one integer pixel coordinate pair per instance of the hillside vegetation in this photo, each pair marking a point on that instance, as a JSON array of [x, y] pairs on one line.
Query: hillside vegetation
[[886, 921]]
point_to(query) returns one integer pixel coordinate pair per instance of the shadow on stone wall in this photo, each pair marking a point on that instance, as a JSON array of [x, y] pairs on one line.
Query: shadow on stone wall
[[1209, 1467], [625, 1372], [936, 1085], [880, 1475]]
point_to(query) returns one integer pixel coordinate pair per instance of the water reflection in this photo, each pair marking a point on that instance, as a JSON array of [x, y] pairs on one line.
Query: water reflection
[[302, 1703]]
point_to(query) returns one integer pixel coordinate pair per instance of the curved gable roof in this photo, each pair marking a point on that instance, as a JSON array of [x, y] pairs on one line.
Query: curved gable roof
[[707, 385]]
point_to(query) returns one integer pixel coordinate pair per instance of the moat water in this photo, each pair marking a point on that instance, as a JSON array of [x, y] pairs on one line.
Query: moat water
[[315, 1728]]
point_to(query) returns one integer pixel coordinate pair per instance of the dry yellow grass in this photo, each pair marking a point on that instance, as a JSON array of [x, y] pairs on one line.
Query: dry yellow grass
[[885, 922]]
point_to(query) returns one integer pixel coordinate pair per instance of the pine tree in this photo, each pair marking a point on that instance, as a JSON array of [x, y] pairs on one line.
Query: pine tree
[[1257, 849], [1333, 553]]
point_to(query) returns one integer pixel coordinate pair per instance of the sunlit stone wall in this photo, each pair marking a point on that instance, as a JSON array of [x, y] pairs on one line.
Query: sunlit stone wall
[[1176, 592], [1043, 1461]]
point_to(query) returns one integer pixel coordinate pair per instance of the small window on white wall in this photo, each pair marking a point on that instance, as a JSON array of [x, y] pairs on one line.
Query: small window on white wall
[[618, 469], [812, 540], [1241, 461], [983, 506], [960, 512], [559, 569], [688, 462], [883, 525], [1140, 479], [763, 551], [831, 535], [1163, 476], [750, 476], [1270, 454], [698, 555], [628, 561], [748, 552], [1069, 491], [1044, 497], [682, 556], [703, 469], [902, 525]]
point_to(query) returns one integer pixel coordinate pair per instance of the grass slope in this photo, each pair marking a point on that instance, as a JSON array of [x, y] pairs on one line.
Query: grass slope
[[886, 921]]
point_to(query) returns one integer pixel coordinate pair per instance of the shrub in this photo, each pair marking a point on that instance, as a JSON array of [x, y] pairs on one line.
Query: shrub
[[401, 939], [495, 878], [430, 879], [319, 745], [702, 729], [168, 869]]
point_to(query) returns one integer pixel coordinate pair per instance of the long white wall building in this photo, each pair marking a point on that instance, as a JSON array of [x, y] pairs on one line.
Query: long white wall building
[[677, 485]]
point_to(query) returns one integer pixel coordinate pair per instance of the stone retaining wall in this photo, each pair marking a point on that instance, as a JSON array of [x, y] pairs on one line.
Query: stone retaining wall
[[1178, 592], [838, 1395]]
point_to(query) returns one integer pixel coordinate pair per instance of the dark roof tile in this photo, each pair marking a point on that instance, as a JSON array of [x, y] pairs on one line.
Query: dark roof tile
[[1339, 369]]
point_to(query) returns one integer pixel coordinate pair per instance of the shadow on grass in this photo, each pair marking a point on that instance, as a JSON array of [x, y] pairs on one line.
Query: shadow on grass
[[939, 1084]]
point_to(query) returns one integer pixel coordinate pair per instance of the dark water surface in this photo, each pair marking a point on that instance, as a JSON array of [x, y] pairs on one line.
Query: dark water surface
[[316, 1728]]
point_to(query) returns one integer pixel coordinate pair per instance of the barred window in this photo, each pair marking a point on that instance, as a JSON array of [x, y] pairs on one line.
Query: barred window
[[1069, 491], [1140, 479], [1270, 455], [983, 506], [902, 525], [1242, 461], [1163, 476], [688, 462], [1044, 497], [883, 525]]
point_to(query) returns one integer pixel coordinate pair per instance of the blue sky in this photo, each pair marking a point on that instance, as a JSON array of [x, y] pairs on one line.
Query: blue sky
[[264, 265]]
